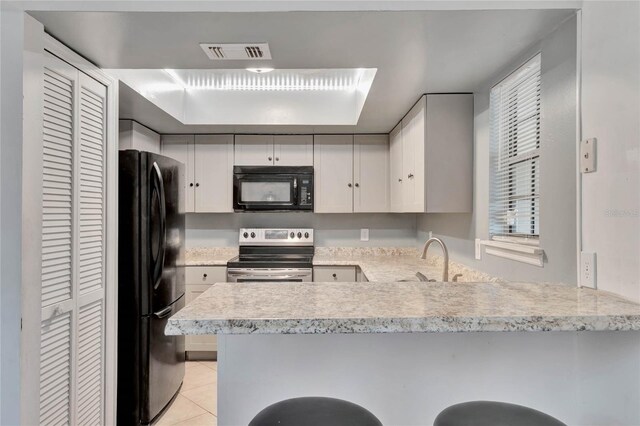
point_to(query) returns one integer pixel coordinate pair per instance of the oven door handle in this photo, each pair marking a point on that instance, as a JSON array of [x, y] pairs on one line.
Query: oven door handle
[[295, 191], [267, 274]]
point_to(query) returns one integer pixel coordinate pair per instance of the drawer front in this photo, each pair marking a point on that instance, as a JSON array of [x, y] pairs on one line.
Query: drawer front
[[334, 274], [206, 274]]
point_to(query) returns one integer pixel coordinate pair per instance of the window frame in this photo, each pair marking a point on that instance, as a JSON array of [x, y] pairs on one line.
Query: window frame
[[506, 145]]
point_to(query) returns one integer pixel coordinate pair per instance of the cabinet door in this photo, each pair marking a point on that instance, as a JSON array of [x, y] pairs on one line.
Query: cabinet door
[[371, 174], [395, 170], [201, 342], [253, 150], [413, 140], [333, 169], [293, 150], [181, 148], [213, 173]]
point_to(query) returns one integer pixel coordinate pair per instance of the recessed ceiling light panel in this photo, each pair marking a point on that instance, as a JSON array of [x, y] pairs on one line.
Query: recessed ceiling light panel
[[237, 51], [260, 70]]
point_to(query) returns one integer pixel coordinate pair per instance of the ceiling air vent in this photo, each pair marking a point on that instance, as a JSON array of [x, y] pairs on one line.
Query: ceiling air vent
[[236, 51]]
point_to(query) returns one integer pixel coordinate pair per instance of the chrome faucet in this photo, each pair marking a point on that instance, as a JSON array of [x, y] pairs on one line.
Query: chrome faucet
[[445, 272]]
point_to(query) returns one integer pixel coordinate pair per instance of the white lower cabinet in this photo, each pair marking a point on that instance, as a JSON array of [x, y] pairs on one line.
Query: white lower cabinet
[[338, 274], [198, 280], [351, 173]]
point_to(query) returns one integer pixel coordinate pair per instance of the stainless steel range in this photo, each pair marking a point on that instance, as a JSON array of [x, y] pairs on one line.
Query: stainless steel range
[[276, 255]]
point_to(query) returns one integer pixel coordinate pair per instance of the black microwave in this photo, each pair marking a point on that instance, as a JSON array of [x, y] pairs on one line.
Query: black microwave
[[272, 188]]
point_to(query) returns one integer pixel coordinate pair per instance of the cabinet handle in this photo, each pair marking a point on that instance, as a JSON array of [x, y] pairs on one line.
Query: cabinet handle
[[357, 185], [204, 275], [410, 176], [191, 184], [349, 185], [334, 275], [277, 158], [270, 158], [399, 180], [197, 184]]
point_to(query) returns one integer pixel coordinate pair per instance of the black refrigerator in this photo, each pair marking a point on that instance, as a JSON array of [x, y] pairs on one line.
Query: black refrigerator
[[151, 284]]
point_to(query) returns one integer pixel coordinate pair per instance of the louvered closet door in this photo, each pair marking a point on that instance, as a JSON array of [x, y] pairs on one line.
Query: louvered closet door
[[58, 313], [90, 251], [73, 253]]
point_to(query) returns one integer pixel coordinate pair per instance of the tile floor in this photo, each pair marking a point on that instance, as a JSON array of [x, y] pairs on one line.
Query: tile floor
[[196, 404]]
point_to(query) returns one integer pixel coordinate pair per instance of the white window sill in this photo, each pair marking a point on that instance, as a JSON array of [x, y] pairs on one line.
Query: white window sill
[[525, 253]]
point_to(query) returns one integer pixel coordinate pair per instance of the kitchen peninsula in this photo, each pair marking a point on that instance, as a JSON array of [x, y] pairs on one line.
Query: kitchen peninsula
[[406, 350]]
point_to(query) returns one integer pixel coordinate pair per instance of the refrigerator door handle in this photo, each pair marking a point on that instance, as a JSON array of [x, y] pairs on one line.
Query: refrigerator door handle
[[159, 187], [163, 312]]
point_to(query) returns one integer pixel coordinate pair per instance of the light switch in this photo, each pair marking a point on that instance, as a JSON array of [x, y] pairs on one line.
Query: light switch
[[364, 234]]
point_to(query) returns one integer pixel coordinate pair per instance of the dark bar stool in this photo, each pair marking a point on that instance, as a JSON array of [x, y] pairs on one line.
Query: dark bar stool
[[491, 413], [314, 411]]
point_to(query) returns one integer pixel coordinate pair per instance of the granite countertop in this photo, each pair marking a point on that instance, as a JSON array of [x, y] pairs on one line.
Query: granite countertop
[[209, 256], [393, 307], [381, 264]]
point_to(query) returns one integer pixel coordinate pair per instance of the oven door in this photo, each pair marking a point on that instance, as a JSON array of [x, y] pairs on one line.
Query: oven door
[[243, 275], [265, 192]]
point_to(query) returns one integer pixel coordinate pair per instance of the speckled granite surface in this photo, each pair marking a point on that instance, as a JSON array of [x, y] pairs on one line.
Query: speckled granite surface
[[382, 264], [209, 256], [377, 263], [391, 307]]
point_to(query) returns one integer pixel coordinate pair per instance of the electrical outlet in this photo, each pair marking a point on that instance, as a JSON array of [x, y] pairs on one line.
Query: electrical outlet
[[478, 249], [588, 269], [364, 234]]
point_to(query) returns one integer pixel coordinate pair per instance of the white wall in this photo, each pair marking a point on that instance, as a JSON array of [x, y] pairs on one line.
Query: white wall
[[386, 230], [11, 42], [611, 113], [557, 180]]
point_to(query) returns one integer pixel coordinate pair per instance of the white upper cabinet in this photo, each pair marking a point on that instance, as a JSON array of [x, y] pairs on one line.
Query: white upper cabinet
[[371, 173], [182, 148], [435, 140], [273, 150], [351, 173], [413, 140], [253, 150], [395, 170], [293, 150], [209, 170], [333, 169], [214, 173]]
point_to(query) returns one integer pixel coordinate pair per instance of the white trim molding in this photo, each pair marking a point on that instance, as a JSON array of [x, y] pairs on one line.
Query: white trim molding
[[525, 253]]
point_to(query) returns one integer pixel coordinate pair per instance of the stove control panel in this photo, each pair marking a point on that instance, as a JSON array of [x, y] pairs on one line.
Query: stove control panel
[[276, 236]]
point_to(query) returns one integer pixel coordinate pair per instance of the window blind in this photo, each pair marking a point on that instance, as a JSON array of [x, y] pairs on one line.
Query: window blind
[[515, 154]]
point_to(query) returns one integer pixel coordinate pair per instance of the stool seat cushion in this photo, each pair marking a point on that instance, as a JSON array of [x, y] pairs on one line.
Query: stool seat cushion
[[492, 413], [314, 411]]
